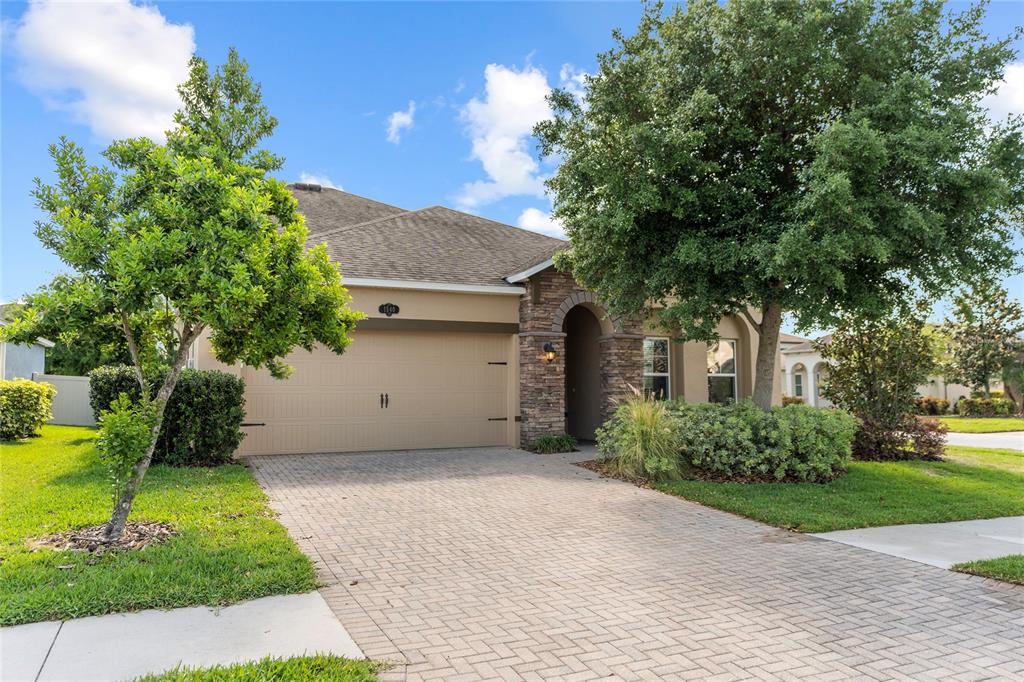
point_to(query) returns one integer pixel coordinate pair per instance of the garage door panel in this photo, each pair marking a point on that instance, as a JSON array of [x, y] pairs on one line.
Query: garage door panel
[[441, 393]]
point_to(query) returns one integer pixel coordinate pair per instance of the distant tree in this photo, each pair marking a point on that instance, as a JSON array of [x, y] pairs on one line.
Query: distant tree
[[813, 156], [985, 332], [196, 227]]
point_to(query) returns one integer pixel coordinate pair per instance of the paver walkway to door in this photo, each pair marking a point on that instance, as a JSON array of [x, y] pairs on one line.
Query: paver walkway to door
[[500, 564]]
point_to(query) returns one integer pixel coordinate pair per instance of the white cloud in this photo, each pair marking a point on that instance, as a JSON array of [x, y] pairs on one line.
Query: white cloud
[[1010, 97], [500, 125], [536, 220], [399, 121], [573, 80], [113, 66], [318, 179]]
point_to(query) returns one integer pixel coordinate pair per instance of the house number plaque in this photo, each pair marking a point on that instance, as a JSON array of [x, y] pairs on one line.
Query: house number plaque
[[388, 309]]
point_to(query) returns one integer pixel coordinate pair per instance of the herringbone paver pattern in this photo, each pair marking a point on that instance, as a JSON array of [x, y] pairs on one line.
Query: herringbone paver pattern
[[497, 564]]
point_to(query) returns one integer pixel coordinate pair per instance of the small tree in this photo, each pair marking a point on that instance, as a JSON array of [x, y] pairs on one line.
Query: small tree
[[196, 227], [813, 156], [986, 334], [875, 367]]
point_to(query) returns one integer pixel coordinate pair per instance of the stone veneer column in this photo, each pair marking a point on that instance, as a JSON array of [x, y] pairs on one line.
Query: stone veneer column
[[550, 295], [541, 386], [622, 369]]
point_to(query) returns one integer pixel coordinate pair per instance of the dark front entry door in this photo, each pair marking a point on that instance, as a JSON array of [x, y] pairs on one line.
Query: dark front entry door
[[582, 373]]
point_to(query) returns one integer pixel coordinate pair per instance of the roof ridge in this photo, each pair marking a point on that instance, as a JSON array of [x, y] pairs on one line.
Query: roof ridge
[[498, 222], [292, 185], [345, 228]]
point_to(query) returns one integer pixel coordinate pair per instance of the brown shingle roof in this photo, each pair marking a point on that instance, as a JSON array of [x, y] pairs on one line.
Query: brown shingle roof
[[435, 244], [327, 209]]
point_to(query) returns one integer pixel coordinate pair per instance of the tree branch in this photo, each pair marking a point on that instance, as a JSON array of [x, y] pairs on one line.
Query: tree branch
[[133, 349], [750, 318]]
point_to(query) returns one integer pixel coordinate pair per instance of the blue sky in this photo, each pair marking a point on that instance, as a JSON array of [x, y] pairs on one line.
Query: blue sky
[[409, 103]]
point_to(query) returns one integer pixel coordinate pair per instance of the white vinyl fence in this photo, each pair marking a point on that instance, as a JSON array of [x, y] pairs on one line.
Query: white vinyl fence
[[71, 404]]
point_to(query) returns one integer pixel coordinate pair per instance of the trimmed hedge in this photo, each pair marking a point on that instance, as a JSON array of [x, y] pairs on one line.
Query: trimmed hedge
[[24, 407], [202, 422], [661, 440], [929, 406], [740, 441], [547, 445], [985, 407]]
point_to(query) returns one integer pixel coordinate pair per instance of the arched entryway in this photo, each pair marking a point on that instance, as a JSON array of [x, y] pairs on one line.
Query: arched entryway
[[582, 372]]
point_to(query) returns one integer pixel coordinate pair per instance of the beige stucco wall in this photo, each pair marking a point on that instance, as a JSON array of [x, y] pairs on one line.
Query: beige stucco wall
[[688, 369], [437, 305]]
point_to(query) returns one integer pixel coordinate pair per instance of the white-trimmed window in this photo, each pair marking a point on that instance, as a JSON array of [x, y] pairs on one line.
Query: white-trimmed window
[[722, 371], [798, 384], [656, 366]]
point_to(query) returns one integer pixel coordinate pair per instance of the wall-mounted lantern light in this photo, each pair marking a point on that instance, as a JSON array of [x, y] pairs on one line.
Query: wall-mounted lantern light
[[549, 351]]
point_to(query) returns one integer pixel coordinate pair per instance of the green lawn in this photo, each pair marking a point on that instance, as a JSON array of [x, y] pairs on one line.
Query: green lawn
[[1007, 568], [329, 668], [983, 424], [230, 547], [974, 483]]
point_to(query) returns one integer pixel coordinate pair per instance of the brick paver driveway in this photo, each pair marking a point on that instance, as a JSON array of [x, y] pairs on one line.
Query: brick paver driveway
[[499, 564]]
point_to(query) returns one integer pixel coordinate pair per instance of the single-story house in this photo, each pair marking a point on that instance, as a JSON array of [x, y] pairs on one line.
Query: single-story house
[[22, 360], [805, 371], [473, 338]]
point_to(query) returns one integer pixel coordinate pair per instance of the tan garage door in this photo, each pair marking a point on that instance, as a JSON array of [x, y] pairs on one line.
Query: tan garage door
[[442, 389]]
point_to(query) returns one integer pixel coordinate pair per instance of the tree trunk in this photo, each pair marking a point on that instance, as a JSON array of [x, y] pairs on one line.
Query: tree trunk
[[767, 348], [119, 517]]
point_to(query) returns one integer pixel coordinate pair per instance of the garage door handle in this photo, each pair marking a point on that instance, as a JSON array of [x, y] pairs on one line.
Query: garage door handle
[[386, 399], [382, 401]]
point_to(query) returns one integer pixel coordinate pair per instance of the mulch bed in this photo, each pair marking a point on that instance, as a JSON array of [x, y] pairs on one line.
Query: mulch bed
[[605, 471], [693, 474], [137, 535]]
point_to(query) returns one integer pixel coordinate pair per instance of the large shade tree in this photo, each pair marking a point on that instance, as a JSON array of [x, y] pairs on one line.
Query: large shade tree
[[196, 227], [813, 156]]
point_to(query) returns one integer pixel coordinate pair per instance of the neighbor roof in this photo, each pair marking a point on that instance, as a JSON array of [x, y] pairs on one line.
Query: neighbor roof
[[807, 345], [434, 244], [792, 338]]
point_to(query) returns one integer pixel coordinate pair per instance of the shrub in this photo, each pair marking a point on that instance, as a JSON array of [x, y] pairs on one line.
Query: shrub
[[202, 422], [913, 438], [928, 405], [641, 440], [24, 407], [791, 400], [791, 443], [125, 432], [985, 407], [547, 445]]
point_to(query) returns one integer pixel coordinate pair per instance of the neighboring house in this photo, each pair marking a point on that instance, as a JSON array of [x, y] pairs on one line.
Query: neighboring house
[[472, 338], [20, 361], [804, 373]]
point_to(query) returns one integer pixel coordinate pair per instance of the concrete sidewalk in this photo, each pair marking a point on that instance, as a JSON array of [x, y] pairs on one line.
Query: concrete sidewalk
[[940, 544], [1012, 440], [124, 646]]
